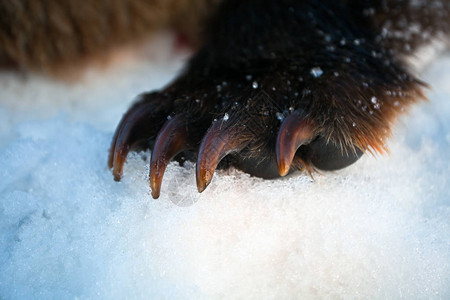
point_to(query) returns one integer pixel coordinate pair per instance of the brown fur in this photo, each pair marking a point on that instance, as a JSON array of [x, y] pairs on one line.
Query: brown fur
[[42, 35]]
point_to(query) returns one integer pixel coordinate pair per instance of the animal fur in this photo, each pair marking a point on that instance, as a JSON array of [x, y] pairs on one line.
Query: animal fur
[[47, 34]]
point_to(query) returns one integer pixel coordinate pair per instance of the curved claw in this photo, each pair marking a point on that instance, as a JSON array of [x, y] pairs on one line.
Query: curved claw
[[295, 131], [217, 143], [171, 140], [142, 121]]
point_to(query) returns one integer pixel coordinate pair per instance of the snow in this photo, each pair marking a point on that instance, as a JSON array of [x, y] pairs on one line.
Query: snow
[[379, 229]]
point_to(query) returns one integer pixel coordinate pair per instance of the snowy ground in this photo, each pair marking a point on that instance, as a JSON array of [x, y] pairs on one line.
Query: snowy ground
[[378, 229]]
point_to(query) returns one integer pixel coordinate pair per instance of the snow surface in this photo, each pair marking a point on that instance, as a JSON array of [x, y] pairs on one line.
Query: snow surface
[[378, 229]]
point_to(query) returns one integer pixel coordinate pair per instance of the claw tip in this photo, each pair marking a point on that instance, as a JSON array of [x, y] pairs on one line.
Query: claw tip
[[283, 169], [117, 177], [155, 194], [203, 180], [155, 185]]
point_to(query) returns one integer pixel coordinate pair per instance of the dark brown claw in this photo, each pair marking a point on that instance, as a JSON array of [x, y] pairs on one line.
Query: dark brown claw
[[217, 143], [141, 122], [295, 131], [172, 139]]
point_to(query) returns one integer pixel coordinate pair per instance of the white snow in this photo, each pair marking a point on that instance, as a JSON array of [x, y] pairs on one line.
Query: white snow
[[379, 229]]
